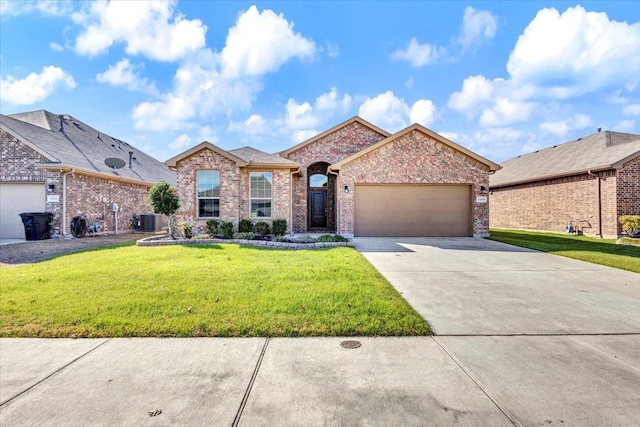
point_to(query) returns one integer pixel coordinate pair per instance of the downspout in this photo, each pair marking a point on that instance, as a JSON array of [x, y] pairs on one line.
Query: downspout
[[64, 200], [336, 205], [293, 172], [599, 201]]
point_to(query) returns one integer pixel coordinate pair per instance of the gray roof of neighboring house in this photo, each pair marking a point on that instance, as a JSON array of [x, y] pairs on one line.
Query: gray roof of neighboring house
[[67, 141], [251, 155], [600, 151]]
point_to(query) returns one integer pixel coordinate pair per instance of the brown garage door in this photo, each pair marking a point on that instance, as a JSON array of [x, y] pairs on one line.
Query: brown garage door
[[405, 210]]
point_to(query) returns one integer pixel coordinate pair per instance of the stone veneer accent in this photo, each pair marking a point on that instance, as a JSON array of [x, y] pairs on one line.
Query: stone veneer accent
[[413, 158], [549, 205], [332, 148]]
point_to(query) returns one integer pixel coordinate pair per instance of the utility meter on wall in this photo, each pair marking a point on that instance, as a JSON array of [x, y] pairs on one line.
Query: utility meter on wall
[[114, 207]]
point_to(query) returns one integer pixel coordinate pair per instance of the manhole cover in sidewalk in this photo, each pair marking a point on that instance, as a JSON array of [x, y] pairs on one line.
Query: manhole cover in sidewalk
[[350, 344]]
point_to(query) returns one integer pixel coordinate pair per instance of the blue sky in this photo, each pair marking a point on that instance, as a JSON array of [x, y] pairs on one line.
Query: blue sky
[[501, 78]]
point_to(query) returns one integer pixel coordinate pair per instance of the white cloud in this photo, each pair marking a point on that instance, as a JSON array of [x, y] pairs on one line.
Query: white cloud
[[260, 43], [423, 112], [476, 90], [180, 142], [307, 116], [45, 7], [56, 47], [386, 111], [35, 87], [557, 128], [504, 112], [575, 52], [631, 110], [419, 54], [331, 102], [150, 28], [302, 135], [254, 125], [581, 121], [333, 49], [125, 74], [477, 25], [625, 126]]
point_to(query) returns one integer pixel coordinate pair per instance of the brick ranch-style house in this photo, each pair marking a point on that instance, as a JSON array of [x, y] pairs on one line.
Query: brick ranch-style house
[[588, 183], [353, 179], [56, 163]]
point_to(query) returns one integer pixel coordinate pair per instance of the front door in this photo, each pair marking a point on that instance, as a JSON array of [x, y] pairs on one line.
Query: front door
[[319, 209]]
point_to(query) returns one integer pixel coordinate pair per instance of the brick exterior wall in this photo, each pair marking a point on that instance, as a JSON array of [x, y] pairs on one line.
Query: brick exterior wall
[[413, 158], [332, 148], [550, 205], [628, 189], [234, 190], [84, 194]]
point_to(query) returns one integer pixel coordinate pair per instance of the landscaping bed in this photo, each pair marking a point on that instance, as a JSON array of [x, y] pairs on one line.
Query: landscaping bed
[[304, 242]]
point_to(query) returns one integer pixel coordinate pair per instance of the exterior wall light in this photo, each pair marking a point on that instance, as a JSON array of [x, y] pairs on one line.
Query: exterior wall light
[[346, 188], [51, 187]]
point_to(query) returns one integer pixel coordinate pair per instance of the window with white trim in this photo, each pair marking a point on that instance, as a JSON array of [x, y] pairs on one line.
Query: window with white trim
[[208, 194], [260, 189]]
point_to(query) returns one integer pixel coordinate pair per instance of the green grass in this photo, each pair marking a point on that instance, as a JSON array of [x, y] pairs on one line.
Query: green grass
[[202, 290], [590, 249]]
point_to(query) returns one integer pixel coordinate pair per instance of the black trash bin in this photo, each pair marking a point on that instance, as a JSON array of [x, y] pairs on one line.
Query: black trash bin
[[36, 225]]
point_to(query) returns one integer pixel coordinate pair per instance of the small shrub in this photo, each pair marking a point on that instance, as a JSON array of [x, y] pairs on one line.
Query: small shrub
[[281, 239], [630, 224], [245, 226], [187, 231], [262, 228], [305, 239], [325, 238], [279, 227], [226, 227], [212, 227], [244, 235], [201, 236]]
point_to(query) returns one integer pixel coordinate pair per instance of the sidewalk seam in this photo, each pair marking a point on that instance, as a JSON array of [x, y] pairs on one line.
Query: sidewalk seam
[[247, 392], [477, 383], [54, 372]]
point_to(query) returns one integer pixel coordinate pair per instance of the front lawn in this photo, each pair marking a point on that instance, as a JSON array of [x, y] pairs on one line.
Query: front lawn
[[590, 249], [202, 290]]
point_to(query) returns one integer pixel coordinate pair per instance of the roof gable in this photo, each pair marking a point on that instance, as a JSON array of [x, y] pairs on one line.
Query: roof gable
[[256, 158], [172, 162], [71, 144], [600, 151], [337, 127], [419, 128]]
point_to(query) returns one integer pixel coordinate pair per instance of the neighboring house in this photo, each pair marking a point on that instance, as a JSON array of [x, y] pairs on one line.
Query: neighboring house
[[55, 163], [353, 179], [587, 183]]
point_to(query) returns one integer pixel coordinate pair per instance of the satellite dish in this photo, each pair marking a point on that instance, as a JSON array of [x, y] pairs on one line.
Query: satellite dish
[[114, 163]]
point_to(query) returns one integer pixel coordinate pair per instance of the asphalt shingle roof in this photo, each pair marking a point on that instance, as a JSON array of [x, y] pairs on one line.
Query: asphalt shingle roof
[[251, 155], [599, 151], [68, 141]]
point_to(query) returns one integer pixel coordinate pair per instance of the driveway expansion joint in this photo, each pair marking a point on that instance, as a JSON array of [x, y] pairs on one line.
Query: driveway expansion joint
[[55, 372], [245, 398]]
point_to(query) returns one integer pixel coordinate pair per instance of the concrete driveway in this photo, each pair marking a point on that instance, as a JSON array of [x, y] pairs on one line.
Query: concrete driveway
[[549, 339]]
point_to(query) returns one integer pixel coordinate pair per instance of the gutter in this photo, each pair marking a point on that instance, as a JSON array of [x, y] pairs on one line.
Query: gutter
[[336, 205], [293, 172], [551, 176], [599, 179], [81, 171], [64, 200]]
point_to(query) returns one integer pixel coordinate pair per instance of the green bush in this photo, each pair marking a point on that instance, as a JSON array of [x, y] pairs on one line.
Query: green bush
[[305, 239], [212, 227], [187, 231], [325, 238], [262, 228], [279, 227], [245, 226], [164, 200], [244, 236], [630, 224], [226, 227]]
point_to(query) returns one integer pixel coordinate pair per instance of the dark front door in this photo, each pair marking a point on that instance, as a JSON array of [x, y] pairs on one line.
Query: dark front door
[[319, 209]]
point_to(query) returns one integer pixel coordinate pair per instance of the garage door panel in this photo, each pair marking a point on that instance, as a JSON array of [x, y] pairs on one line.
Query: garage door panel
[[413, 210], [14, 200]]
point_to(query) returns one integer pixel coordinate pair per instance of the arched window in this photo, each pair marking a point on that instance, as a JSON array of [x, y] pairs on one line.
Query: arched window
[[318, 180]]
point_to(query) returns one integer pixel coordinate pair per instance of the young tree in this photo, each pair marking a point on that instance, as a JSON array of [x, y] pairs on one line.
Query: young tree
[[164, 200]]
